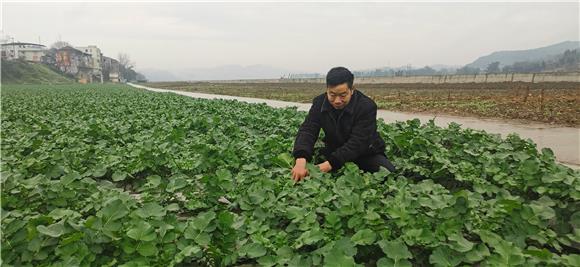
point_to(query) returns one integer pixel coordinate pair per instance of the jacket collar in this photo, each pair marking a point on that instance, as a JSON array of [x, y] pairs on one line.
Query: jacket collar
[[326, 106]]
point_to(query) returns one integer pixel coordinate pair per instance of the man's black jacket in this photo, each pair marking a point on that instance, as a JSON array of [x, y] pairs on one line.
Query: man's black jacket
[[349, 136]]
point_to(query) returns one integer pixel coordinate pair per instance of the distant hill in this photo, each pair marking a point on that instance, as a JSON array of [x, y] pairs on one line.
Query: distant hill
[[30, 73], [536, 54]]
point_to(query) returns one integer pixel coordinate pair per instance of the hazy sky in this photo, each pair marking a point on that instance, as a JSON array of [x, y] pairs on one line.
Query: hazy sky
[[296, 36]]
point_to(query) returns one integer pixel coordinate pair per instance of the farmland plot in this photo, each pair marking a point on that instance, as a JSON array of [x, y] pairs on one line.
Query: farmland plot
[[107, 175]]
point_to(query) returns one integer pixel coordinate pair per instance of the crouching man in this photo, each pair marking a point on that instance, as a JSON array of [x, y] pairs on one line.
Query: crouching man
[[348, 119]]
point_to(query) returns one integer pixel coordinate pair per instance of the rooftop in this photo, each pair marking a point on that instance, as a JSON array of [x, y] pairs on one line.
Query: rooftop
[[21, 43]]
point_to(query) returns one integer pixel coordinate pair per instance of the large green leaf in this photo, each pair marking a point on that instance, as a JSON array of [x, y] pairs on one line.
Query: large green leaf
[[443, 256], [151, 210], [176, 182], [255, 250], [364, 237], [479, 253], [387, 262], [341, 254], [312, 236], [100, 171], [54, 230], [143, 231], [338, 260], [119, 176], [202, 220], [395, 250], [459, 243], [147, 249], [510, 254], [115, 210]]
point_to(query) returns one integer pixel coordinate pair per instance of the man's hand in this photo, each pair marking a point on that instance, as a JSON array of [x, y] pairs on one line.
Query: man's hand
[[325, 166], [299, 171]]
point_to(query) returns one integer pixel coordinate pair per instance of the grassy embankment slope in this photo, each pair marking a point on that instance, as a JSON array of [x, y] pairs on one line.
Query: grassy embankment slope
[[19, 72]]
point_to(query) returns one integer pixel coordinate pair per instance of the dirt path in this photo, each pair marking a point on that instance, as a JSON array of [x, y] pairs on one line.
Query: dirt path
[[564, 141]]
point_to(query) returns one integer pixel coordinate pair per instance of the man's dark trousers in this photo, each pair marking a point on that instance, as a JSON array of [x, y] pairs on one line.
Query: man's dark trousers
[[368, 163]]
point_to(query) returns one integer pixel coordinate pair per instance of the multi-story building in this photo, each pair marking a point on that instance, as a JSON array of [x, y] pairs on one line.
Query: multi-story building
[[111, 69], [97, 59], [26, 51], [74, 62]]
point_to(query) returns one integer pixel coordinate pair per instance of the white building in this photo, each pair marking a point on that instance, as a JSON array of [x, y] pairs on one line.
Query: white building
[[111, 69], [97, 57], [26, 51], [96, 54]]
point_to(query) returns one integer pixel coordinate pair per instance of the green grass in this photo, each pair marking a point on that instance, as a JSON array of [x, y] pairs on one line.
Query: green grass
[[19, 72]]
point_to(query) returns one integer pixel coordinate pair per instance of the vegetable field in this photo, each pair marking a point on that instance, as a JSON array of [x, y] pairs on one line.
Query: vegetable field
[[108, 175]]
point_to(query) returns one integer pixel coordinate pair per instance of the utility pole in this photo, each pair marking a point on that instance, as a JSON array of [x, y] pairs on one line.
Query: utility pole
[[13, 49]]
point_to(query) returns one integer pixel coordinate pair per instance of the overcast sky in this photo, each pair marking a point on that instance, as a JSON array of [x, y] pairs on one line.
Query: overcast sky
[[297, 36]]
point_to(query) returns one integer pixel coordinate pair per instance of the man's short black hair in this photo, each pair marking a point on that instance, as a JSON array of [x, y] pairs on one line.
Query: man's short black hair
[[339, 75]]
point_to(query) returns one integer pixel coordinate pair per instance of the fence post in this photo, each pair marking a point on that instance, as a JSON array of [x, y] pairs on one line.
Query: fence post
[[400, 99], [542, 101], [527, 93]]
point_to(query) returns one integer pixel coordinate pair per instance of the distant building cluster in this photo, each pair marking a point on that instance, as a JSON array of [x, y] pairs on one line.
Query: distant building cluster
[[85, 63]]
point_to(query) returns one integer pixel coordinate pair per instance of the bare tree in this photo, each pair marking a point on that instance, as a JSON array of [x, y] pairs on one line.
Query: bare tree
[[60, 44], [125, 61], [127, 67]]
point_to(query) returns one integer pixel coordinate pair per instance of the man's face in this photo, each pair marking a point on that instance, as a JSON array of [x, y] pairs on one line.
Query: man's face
[[339, 95]]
